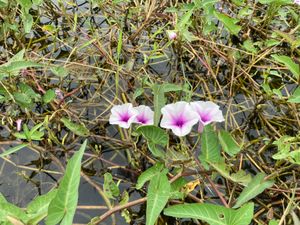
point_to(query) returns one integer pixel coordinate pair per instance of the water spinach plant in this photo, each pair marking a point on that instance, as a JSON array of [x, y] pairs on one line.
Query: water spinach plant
[[197, 100]]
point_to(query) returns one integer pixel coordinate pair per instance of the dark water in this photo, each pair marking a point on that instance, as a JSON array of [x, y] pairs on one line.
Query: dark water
[[20, 178]]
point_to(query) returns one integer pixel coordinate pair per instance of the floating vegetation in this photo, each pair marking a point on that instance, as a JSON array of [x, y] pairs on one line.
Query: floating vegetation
[[149, 112]]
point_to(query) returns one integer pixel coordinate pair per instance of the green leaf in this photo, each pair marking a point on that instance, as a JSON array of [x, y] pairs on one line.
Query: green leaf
[[124, 198], [240, 177], [184, 20], [17, 57], [245, 11], [149, 174], [49, 96], [159, 101], [228, 143], [176, 186], [213, 214], [167, 87], [154, 136], [59, 71], [23, 100], [285, 145], [239, 2], [208, 7], [110, 189], [155, 150], [254, 188], [271, 42], [13, 67], [138, 92], [205, 3], [78, 129], [36, 133], [26, 4], [187, 35], [3, 3], [8, 210], [210, 147], [20, 135], [289, 63], [157, 197], [178, 158], [37, 209], [27, 90], [279, 2], [249, 46], [13, 150], [62, 208], [2, 198], [273, 222], [287, 37], [119, 46], [27, 20], [37, 2], [229, 23], [159, 91], [295, 98]]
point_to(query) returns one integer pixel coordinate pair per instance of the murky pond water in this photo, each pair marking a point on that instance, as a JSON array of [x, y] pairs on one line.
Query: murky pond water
[[252, 115]]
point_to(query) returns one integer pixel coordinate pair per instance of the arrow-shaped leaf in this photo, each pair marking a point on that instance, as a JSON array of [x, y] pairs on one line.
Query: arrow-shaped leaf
[[254, 188], [228, 143], [213, 214], [62, 208], [210, 147], [289, 63], [157, 197]]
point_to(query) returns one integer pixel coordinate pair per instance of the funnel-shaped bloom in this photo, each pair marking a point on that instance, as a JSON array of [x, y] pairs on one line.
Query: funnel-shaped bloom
[[123, 115], [179, 117], [145, 115], [207, 112], [297, 2]]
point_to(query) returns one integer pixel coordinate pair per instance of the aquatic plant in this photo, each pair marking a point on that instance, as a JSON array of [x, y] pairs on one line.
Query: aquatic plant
[[67, 67]]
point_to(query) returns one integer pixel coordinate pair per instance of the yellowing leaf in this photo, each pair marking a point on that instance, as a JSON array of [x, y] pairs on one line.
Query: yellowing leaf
[[189, 187]]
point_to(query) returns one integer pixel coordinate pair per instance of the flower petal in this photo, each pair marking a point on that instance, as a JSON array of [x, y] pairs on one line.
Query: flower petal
[[207, 111], [145, 115], [179, 117], [123, 115]]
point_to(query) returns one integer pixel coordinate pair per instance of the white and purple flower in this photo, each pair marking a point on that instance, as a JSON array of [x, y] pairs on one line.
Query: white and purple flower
[[179, 117], [123, 115], [297, 2], [207, 112], [145, 115]]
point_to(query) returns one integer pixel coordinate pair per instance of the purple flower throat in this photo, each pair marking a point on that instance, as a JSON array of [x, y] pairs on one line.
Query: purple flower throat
[[205, 117], [179, 121], [142, 119], [125, 117]]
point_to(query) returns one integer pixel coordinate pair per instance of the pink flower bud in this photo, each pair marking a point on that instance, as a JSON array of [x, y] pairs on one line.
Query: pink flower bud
[[59, 94], [172, 34], [19, 124]]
